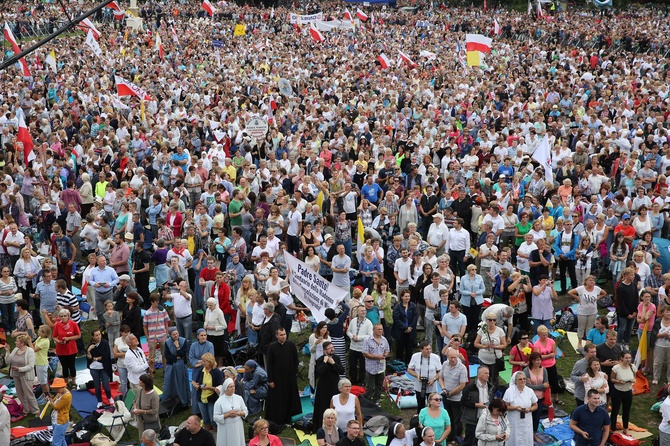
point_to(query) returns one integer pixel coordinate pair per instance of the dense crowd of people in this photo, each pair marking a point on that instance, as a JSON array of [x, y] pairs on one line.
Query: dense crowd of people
[[177, 219]]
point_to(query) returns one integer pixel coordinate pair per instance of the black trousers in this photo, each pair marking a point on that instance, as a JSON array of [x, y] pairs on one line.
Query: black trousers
[[469, 438], [404, 348], [356, 367], [455, 410], [472, 315], [456, 262], [620, 398], [568, 265]]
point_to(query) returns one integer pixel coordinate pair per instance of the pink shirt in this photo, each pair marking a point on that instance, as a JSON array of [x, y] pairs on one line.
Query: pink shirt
[[651, 307]]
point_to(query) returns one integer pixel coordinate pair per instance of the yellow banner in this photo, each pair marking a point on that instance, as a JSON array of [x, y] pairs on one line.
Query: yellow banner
[[240, 30]]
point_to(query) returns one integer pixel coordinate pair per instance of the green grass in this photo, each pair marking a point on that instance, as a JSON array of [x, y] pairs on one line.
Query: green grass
[[641, 414]]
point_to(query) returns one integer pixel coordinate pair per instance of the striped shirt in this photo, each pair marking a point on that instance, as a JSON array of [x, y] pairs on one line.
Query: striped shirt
[[372, 347], [154, 322], [68, 299]]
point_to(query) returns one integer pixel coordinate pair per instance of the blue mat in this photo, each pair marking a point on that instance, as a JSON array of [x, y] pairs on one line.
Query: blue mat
[[84, 403], [80, 363]]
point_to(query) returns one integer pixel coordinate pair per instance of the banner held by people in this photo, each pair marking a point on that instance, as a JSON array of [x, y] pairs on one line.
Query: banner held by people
[[312, 289]]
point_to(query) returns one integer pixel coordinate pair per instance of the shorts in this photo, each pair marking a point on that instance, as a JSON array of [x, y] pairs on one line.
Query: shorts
[[42, 372]]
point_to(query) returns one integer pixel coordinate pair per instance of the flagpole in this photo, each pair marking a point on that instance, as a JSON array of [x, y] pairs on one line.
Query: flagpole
[[15, 58]]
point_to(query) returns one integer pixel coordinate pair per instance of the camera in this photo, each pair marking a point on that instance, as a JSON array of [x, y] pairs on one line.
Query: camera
[[424, 385]]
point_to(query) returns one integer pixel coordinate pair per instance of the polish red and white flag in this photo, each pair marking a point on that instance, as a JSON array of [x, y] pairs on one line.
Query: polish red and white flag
[[348, 16], [159, 47], [23, 136], [207, 6], [86, 25], [9, 35], [383, 60], [315, 33], [126, 88], [404, 58], [113, 5], [361, 15]]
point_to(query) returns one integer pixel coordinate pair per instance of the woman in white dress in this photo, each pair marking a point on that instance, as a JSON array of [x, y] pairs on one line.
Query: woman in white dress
[[229, 410], [521, 400]]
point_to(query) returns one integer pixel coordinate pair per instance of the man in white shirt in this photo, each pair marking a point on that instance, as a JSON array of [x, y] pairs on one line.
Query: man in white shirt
[[359, 329], [431, 295], [401, 270], [136, 363], [262, 247], [459, 247], [13, 242], [181, 301], [294, 228], [438, 234], [497, 222], [523, 254], [425, 367]]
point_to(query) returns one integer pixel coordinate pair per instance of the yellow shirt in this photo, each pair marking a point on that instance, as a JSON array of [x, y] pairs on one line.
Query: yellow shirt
[[101, 189], [206, 381], [191, 245], [230, 170], [63, 403], [41, 355]]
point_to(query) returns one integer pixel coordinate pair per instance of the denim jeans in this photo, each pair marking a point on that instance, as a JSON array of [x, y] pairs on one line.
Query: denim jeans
[[59, 434], [100, 377], [8, 316], [207, 412], [625, 330], [545, 322], [123, 380], [185, 327]]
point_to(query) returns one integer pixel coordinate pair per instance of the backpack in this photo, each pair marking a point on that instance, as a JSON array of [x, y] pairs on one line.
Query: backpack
[[14, 407], [662, 393], [567, 320], [376, 426], [305, 424], [620, 439], [606, 301]]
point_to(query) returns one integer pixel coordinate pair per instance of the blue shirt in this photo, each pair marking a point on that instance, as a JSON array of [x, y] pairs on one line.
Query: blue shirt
[[591, 422], [371, 192], [595, 336], [64, 246], [48, 295], [153, 212], [107, 275]]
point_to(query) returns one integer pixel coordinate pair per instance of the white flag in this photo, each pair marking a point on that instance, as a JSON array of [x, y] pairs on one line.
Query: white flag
[[543, 156], [93, 44]]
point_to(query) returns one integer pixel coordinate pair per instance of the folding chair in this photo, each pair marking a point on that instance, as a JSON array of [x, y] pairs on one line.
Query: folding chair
[[168, 408], [121, 417], [238, 350], [85, 314]]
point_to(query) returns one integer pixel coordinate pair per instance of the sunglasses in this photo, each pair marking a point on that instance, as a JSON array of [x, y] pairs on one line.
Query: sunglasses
[[490, 320], [368, 301]]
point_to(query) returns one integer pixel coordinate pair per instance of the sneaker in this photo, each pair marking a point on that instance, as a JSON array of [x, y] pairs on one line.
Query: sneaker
[[133, 423], [99, 405]]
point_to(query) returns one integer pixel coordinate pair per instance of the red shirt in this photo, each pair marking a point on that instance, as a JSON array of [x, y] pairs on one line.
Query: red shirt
[[65, 330], [209, 274], [627, 231]]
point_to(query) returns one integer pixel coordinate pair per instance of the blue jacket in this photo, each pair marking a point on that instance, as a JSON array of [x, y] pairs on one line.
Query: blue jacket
[[402, 321], [468, 286], [570, 255]]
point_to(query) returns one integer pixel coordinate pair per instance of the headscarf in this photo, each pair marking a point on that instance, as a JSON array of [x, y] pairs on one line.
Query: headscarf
[[171, 330], [226, 383], [251, 364], [200, 330]]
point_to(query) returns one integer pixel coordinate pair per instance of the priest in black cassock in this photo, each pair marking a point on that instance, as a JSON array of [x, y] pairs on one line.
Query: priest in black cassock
[[283, 399], [327, 373]]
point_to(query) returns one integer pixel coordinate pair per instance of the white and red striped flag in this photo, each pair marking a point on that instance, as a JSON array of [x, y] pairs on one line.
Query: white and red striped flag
[[496, 27], [86, 25], [404, 58], [271, 108], [348, 16], [383, 60], [175, 39], [361, 15], [159, 47], [113, 5], [477, 42], [315, 33], [126, 88], [23, 136], [9, 35], [539, 9], [119, 15], [207, 6]]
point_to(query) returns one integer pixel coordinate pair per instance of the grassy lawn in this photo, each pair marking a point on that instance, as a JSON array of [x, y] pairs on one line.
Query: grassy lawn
[[641, 414]]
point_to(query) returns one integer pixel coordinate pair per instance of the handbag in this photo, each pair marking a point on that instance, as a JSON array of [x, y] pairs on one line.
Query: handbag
[[500, 362]]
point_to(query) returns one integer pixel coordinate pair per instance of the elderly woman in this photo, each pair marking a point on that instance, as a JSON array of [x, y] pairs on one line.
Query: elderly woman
[[255, 386], [216, 326], [22, 370], [65, 335], [206, 384], [493, 427], [263, 437], [491, 342], [472, 296], [521, 400], [231, 372], [195, 353], [146, 405], [175, 381], [329, 434], [26, 271], [346, 405], [86, 193], [229, 410]]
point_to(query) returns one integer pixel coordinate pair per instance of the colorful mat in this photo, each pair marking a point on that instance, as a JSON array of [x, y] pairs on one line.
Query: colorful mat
[[303, 436], [307, 408]]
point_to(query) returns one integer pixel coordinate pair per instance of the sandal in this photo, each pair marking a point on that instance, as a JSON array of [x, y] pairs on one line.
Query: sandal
[[559, 402]]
